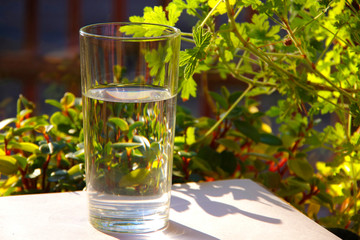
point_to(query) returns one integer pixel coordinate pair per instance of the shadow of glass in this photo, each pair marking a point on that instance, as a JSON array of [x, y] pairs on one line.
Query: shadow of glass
[[240, 190], [174, 230]]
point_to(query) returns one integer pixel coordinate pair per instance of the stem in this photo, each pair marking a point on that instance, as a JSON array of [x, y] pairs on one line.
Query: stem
[[253, 49], [45, 166], [238, 12], [327, 47], [204, 82], [312, 20], [285, 55], [227, 112], [187, 39], [210, 13], [310, 64]]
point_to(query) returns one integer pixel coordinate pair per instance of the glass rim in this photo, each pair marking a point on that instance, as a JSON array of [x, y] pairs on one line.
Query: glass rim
[[85, 33]]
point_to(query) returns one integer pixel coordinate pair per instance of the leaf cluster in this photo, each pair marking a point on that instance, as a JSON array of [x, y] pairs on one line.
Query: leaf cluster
[[305, 51], [42, 153]]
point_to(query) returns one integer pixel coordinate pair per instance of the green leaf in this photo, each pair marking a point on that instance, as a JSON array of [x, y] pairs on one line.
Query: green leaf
[[219, 99], [174, 13], [36, 173], [199, 163], [299, 183], [301, 168], [271, 180], [47, 148], [190, 135], [8, 165], [229, 144], [76, 170], [25, 146], [24, 113], [6, 122], [201, 37], [43, 128], [211, 156], [136, 125], [135, 177], [22, 161], [68, 100], [143, 140], [228, 161], [248, 130], [124, 145], [58, 175], [188, 88], [184, 58], [54, 103], [190, 59], [122, 124], [59, 119], [21, 130], [270, 139]]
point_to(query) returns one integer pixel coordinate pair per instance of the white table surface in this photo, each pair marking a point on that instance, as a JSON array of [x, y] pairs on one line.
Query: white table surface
[[230, 209]]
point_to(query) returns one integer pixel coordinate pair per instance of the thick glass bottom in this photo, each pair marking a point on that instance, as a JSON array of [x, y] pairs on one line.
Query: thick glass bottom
[[123, 225]]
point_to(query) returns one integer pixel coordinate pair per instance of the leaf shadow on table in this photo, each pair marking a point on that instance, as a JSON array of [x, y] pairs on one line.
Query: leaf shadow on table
[[205, 196], [174, 231]]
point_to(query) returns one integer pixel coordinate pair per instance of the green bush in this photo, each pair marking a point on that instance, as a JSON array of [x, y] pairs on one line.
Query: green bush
[[42, 154]]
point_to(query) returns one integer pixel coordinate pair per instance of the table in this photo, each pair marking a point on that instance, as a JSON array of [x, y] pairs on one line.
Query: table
[[229, 209]]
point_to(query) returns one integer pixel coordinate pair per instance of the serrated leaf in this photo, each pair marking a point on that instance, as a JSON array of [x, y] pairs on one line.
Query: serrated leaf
[[174, 13], [184, 58], [188, 88], [201, 37]]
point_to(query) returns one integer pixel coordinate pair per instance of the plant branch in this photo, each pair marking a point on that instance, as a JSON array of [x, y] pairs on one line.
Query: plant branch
[[210, 13], [311, 66], [227, 112]]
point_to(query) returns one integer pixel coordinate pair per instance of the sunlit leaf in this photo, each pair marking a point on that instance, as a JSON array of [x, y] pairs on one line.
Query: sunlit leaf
[[8, 165], [25, 146], [119, 122], [135, 177], [6, 122]]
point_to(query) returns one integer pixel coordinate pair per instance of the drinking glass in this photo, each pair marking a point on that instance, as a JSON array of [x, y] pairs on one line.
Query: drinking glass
[[129, 85]]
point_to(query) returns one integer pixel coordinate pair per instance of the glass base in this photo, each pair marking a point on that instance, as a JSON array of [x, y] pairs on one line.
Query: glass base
[[116, 225]]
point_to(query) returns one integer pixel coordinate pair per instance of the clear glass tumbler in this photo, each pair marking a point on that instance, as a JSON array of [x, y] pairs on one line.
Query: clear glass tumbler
[[129, 86]]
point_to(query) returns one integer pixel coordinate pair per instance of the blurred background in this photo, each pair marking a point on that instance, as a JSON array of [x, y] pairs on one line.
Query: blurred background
[[39, 48], [39, 45]]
